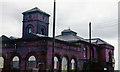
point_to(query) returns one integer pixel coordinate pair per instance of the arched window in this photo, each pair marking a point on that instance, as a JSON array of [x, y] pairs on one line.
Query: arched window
[[15, 62], [110, 57], [1, 62], [73, 64], [55, 62], [84, 52], [92, 52], [64, 64], [32, 62], [29, 30], [42, 31]]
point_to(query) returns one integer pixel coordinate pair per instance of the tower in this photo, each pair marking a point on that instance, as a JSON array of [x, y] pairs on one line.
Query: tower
[[35, 21]]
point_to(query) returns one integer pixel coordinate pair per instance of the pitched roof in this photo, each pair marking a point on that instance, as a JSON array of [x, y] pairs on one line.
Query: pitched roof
[[36, 9], [98, 41]]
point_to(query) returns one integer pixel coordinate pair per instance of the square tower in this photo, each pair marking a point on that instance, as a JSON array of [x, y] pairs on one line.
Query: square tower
[[35, 21]]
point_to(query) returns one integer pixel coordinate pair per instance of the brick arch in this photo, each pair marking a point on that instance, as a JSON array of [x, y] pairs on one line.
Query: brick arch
[[44, 28], [13, 54], [86, 50], [3, 64], [79, 65], [59, 61], [27, 57], [27, 27], [31, 54], [66, 56], [92, 52], [4, 57], [75, 59], [110, 56], [68, 61], [58, 56]]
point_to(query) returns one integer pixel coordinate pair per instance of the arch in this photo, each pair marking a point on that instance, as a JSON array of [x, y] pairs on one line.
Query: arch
[[42, 31], [84, 52], [64, 64], [92, 53], [55, 62], [59, 62], [80, 65], [31, 62], [73, 64], [32, 58], [30, 28], [15, 62], [1, 62], [110, 57]]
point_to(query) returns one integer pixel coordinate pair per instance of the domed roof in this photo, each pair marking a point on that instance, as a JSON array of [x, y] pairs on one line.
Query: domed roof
[[69, 35], [68, 30]]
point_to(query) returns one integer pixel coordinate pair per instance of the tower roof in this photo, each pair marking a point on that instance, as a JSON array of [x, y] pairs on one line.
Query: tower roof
[[68, 31], [69, 35], [36, 9]]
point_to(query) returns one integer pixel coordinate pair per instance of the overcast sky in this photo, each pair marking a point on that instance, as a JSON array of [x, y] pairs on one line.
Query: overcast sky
[[75, 14]]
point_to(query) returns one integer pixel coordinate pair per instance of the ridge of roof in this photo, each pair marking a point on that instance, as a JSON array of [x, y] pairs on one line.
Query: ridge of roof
[[36, 9]]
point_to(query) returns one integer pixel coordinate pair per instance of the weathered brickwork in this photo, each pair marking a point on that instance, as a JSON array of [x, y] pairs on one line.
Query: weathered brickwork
[[35, 42]]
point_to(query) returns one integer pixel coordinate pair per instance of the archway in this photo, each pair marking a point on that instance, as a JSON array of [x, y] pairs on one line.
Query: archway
[[84, 52], [92, 53], [64, 64], [73, 67], [55, 63], [30, 30], [31, 62], [15, 62], [110, 57], [42, 31], [1, 62]]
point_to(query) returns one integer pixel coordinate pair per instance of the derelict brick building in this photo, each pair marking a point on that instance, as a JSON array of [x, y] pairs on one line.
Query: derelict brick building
[[34, 50]]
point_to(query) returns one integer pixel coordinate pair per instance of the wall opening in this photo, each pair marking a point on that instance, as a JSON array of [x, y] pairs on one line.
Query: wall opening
[[32, 62], [64, 64], [29, 30], [42, 31], [55, 63], [1, 62], [73, 64], [15, 62]]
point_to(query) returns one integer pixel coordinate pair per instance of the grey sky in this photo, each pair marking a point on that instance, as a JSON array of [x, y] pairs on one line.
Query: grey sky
[[70, 13]]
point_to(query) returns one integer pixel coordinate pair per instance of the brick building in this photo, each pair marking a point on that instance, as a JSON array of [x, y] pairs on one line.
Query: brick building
[[34, 50]]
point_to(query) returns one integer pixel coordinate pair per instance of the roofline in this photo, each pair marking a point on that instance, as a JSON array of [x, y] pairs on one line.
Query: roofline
[[35, 11]]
